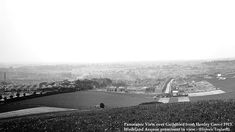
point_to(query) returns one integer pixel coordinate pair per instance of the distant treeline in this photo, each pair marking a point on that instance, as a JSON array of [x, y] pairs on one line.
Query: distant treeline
[[50, 88], [85, 84]]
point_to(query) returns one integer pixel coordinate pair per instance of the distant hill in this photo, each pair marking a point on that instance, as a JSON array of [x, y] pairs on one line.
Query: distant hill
[[220, 62]]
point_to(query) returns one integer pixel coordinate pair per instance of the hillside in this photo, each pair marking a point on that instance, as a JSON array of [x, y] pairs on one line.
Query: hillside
[[211, 112]]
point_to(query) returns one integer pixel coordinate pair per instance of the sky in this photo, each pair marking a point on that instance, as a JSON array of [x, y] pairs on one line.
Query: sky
[[91, 31]]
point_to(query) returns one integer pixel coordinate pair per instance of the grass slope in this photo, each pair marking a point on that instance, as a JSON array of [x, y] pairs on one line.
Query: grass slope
[[81, 100], [216, 111]]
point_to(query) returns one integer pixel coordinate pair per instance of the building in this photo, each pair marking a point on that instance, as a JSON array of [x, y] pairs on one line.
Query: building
[[121, 89], [175, 93], [111, 89], [116, 89]]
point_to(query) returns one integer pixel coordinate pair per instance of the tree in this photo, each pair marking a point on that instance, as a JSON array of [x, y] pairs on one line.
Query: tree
[[101, 105], [65, 83], [11, 97], [24, 94], [18, 94], [42, 83], [1, 97]]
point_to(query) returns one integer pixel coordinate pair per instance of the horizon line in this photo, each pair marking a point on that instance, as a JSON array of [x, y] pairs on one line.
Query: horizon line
[[113, 62]]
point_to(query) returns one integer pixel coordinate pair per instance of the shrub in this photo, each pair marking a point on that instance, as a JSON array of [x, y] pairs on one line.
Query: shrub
[[101, 105], [18, 94]]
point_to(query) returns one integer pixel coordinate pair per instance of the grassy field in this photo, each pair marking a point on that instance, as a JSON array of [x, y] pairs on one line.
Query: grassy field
[[224, 96], [80, 100], [227, 85], [216, 111]]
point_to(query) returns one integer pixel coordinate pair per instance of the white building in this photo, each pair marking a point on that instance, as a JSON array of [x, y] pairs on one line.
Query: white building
[[175, 92], [219, 75]]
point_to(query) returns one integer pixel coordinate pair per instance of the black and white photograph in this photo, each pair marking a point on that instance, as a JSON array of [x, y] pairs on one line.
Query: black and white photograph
[[117, 66]]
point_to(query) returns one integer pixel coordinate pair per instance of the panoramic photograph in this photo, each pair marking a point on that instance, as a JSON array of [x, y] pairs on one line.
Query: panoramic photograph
[[117, 66]]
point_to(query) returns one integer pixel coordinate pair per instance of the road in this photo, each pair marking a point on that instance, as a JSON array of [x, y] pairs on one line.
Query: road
[[166, 90], [168, 87]]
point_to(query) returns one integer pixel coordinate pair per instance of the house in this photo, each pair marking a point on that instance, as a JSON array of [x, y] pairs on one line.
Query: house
[[111, 89], [175, 92], [121, 89]]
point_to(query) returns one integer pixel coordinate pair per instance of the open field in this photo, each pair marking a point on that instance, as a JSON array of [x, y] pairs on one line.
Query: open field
[[227, 85], [216, 111], [80, 100], [224, 96]]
